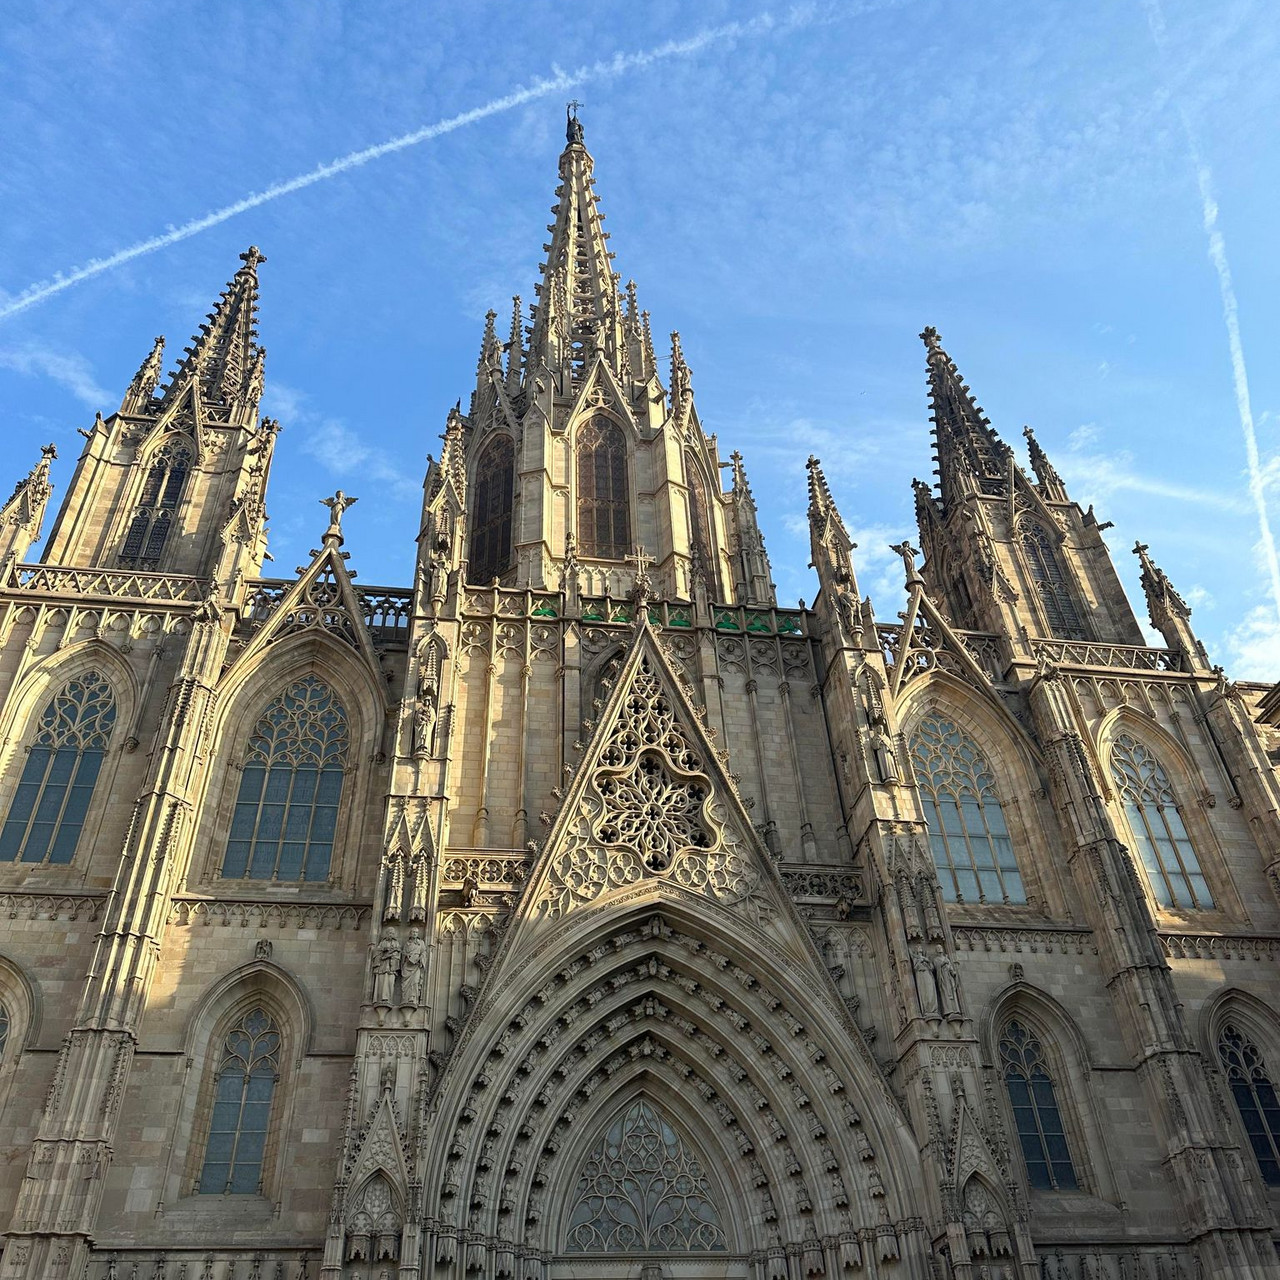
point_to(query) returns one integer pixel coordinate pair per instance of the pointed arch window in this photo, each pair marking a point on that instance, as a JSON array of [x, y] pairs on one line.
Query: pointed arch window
[[290, 787], [642, 1189], [604, 499], [1036, 1115], [152, 520], [491, 514], [1156, 822], [967, 831], [1045, 566], [61, 769], [4, 1029], [1255, 1094], [244, 1086]]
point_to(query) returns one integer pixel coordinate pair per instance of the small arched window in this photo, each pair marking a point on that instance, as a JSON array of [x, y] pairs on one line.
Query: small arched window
[[153, 518], [1036, 1116], [244, 1086], [491, 513], [702, 548], [604, 499], [1045, 567], [290, 786], [62, 766], [1255, 1095], [1164, 847], [967, 832]]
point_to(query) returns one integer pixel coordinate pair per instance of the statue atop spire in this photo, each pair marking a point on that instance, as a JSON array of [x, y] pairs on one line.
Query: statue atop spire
[[572, 125], [337, 505]]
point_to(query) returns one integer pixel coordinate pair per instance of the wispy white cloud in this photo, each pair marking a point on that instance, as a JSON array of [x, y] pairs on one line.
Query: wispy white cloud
[[1096, 477], [559, 82], [1253, 647], [67, 368], [1217, 247]]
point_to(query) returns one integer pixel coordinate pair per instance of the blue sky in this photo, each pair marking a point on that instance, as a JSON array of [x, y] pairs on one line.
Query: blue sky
[[799, 200]]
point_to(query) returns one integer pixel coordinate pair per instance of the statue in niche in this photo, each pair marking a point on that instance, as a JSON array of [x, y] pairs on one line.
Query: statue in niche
[[413, 968], [386, 964], [944, 969], [885, 757], [926, 983]]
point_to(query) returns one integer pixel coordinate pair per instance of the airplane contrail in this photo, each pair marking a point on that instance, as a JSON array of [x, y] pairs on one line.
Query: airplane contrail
[[763, 24], [1230, 318]]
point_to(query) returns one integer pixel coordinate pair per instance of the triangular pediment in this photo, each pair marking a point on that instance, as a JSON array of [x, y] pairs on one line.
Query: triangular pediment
[[652, 812], [322, 601], [601, 390]]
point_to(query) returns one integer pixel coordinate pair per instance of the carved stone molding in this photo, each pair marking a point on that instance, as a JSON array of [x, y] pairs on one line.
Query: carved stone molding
[[1048, 940], [51, 906], [1218, 946], [263, 915]]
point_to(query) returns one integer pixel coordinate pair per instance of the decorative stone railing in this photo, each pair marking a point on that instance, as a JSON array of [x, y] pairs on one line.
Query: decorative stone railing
[[487, 870], [824, 884], [115, 584], [1124, 657], [1117, 1262], [386, 610]]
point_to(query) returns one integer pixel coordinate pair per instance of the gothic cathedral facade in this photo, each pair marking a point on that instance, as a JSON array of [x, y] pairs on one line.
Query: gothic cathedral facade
[[579, 912]]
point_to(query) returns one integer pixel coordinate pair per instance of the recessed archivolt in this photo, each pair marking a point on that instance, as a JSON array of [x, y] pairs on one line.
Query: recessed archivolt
[[633, 1014]]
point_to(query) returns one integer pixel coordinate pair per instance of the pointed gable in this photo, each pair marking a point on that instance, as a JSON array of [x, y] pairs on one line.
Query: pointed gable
[[651, 802]]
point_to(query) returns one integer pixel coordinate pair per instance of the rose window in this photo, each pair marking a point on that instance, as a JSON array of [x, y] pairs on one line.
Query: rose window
[[653, 812]]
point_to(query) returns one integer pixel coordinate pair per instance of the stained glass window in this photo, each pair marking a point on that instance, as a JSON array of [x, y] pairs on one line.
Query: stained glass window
[[643, 1190], [243, 1089], [62, 766], [4, 1030], [604, 500], [161, 492], [287, 808], [1045, 567], [967, 832], [1255, 1096], [1163, 844], [491, 514], [1035, 1110]]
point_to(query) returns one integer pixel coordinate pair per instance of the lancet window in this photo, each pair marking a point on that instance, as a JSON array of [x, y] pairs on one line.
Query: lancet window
[[1036, 1115], [642, 1189], [61, 769], [153, 518], [4, 1029], [967, 831], [491, 515], [290, 787], [1255, 1094], [244, 1086], [1045, 567], [604, 499], [1163, 845]]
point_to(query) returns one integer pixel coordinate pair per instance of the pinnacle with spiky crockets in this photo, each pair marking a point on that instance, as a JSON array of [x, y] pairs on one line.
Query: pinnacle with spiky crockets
[[223, 368], [971, 457]]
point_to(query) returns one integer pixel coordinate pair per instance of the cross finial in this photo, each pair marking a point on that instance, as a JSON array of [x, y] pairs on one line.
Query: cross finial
[[337, 505], [642, 589]]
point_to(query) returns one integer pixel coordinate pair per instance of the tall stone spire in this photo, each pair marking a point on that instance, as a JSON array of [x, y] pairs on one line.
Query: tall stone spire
[[752, 574], [578, 310], [139, 398], [22, 515], [224, 363], [971, 457]]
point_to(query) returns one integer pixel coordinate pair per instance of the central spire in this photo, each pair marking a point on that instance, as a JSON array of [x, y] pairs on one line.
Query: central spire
[[580, 310]]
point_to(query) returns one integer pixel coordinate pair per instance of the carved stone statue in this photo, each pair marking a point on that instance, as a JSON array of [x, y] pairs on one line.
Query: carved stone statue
[[386, 963], [885, 757], [413, 968], [944, 969], [926, 984]]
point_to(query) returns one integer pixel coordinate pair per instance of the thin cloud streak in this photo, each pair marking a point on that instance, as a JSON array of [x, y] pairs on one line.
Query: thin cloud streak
[[1230, 318], [762, 25]]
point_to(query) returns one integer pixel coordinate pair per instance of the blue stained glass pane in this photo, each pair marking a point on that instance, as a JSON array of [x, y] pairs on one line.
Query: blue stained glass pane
[[263, 862], [330, 788], [277, 789], [236, 860], [251, 780], [242, 820], [324, 824], [304, 785], [318, 862], [38, 840], [270, 822], [967, 884], [297, 821], [289, 866]]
